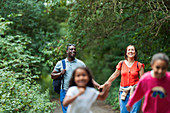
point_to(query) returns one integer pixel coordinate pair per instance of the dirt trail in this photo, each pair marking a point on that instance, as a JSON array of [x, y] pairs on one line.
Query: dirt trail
[[98, 107]]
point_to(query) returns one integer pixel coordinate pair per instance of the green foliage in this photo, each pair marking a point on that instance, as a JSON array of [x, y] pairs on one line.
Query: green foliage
[[19, 70], [15, 56], [113, 98], [22, 96], [31, 37], [39, 22], [36, 34], [117, 24]]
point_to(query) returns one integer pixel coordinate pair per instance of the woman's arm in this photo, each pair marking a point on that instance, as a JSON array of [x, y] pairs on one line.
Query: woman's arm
[[111, 79], [103, 95], [70, 99], [141, 72], [97, 85], [113, 76]]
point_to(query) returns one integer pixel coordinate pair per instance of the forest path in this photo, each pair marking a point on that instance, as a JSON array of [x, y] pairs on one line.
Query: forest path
[[97, 107]]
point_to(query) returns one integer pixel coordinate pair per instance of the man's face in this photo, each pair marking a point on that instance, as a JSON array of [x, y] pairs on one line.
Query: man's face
[[71, 52]]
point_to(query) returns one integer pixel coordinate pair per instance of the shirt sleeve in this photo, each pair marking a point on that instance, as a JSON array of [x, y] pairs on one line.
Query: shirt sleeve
[[137, 95], [84, 65], [95, 94], [141, 65], [70, 91], [119, 65], [57, 66]]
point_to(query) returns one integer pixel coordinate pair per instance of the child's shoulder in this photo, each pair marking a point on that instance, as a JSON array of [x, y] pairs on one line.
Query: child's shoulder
[[72, 88], [91, 91], [168, 74], [146, 75], [90, 88]]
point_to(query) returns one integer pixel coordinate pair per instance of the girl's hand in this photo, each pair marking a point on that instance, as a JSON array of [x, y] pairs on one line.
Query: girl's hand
[[81, 91], [105, 85], [128, 107], [101, 87], [105, 90], [69, 99]]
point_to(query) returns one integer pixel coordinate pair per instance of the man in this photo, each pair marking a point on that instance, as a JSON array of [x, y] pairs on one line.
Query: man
[[71, 64]]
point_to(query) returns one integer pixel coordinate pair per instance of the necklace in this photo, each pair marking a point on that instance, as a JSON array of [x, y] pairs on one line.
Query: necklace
[[129, 64]]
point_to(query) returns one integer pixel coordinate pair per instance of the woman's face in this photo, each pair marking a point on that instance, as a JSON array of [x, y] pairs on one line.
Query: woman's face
[[81, 78], [130, 52], [159, 67]]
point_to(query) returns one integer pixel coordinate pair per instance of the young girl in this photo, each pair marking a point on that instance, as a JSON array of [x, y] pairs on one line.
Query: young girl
[[82, 94], [155, 86]]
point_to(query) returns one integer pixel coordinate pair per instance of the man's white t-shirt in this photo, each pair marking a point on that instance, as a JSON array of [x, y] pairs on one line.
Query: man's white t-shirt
[[83, 103]]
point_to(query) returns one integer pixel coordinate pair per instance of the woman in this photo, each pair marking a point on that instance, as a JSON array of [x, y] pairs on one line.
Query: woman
[[130, 70]]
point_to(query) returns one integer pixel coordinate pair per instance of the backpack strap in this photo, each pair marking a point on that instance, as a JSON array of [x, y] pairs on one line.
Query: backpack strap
[[64, 67], [121, 65], [64, 64]]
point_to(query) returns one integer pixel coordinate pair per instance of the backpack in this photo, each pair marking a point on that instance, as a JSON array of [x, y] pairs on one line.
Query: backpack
[[57, 81]]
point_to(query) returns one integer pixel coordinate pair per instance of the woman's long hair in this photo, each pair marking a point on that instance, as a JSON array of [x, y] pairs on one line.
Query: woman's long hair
[[90, 83]]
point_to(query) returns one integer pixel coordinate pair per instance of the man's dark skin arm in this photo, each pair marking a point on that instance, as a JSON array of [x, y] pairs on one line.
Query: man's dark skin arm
[[56, 74]]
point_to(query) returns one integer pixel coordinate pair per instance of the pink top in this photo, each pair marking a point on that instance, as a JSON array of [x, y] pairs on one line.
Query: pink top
[[156, 91]]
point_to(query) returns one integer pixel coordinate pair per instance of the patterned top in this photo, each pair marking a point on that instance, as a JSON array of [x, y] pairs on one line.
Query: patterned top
[[156, 92]]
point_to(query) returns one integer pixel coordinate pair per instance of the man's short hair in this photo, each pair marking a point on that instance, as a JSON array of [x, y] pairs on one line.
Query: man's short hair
[[70, 45]]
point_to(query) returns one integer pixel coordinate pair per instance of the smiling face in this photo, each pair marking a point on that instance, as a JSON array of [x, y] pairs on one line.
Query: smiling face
[[81, 78], [71, 52], [159, 67], [130, 52]]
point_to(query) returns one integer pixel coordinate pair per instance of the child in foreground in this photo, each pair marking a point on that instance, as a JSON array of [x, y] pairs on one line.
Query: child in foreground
[[155, 86], [82, 94]]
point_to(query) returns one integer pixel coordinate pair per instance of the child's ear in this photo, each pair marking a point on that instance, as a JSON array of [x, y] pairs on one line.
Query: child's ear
[[151, 63]]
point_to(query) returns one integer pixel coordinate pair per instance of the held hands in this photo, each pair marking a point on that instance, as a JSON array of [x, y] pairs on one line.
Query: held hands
[[128, 107], [104, 90], [104, 86]]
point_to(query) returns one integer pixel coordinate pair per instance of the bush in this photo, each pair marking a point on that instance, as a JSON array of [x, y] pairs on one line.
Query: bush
[[22, 95], [113, 98], [19, 70]]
